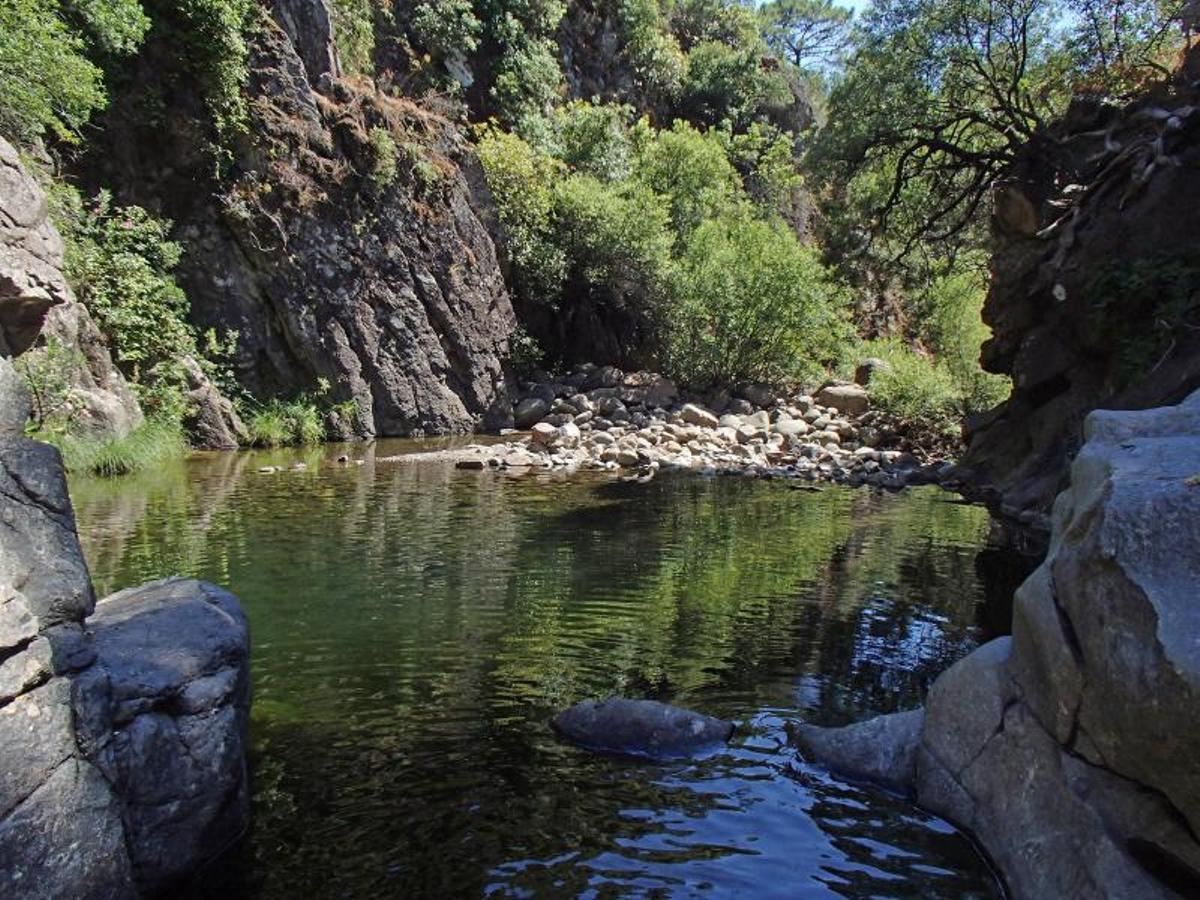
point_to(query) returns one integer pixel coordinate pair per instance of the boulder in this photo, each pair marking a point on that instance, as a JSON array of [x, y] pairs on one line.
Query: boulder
[[529, 411], [640, 727], [309, 26], [162, 713], [545, 434], [648, 389], [1071, 334], [100, 403], [1072, 749], [848, 399], [122, 736], [210, 419], [698, 415], [757, 394], [882, 750], [868, 368]]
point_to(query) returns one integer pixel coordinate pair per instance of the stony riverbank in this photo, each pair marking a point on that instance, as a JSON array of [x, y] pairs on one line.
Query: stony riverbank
[[600, 418]]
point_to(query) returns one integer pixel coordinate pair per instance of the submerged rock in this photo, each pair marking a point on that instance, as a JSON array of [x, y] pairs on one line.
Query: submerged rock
[[640, 727]]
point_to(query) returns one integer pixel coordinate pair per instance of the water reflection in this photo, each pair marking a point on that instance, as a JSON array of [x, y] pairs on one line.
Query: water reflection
[[415, 627]]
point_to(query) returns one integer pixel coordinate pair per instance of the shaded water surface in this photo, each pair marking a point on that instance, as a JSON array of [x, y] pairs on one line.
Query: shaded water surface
[[415, 627]]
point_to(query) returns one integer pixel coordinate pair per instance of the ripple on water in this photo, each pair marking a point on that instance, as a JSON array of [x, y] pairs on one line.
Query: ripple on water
[[416, 627]]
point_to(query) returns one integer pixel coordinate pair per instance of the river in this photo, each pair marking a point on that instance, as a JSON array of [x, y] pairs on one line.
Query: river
[[416, 626]]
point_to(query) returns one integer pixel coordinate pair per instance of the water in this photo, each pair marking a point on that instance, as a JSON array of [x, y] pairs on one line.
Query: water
[[415, 627]]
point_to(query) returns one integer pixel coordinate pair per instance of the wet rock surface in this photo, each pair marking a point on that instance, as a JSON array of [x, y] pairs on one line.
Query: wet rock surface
[[640, 727], [1070, 749]]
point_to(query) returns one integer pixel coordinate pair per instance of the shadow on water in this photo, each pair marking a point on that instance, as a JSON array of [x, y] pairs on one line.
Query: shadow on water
[[415, 627]]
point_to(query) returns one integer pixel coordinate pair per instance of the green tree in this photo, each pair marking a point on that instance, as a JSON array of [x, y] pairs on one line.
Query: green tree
[[752, 303], [47, 83], [810, 34]]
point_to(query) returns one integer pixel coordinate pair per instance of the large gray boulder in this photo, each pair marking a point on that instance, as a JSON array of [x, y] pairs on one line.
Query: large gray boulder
[[210, 419], [640, 727], [163, 713], [1072, 749]]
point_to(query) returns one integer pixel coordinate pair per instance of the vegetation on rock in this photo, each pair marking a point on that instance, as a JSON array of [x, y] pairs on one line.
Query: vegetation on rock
[[757, 193]]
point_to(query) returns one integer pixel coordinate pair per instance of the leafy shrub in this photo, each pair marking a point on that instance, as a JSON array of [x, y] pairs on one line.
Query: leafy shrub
[[524, 353], [527, 80], [1140, 308], [728, 84], [120, 261], [953, 328], [354, 34], [383, 152], [110, 27], [521, 179], [46, 79], [615, 237], [447, 27], [752, 303], [589, 137], [207, 40], [651, 49], [765, 157], [691, 169], [913, 387], [46, 371]]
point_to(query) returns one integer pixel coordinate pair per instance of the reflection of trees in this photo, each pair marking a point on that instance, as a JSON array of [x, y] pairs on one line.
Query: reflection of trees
[[415, 626]]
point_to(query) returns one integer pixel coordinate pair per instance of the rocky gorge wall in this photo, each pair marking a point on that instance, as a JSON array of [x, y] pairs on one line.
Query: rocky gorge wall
[[1071, 750], [344, 243], [1093, 301], [122, 723]]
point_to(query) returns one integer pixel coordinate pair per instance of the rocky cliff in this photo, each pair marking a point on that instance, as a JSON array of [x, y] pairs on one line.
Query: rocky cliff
[[1071, 749], [122, 724], [343, 243], [1094, 299], [34, 293]]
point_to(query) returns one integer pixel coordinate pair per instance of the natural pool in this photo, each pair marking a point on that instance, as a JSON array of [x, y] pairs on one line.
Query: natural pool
[[415, 627]]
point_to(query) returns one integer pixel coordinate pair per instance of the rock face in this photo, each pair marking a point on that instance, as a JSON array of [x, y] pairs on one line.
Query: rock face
[[31, 250], [211, 421], [34, 292], [162, 712], [640, 727], [1097, 237], [121, 736], [344, 247], [1072, 749]]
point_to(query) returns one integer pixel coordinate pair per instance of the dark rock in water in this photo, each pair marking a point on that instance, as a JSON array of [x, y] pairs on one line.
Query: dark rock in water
[[882, 750], [640, 727]]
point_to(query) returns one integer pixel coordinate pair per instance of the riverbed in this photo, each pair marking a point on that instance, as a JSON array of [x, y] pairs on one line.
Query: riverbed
[[415, 626]]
